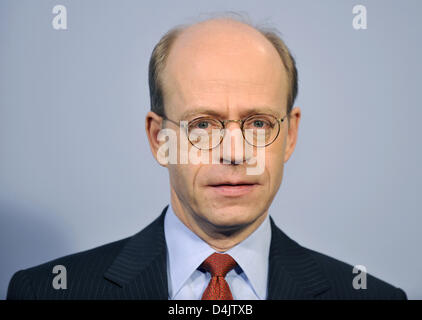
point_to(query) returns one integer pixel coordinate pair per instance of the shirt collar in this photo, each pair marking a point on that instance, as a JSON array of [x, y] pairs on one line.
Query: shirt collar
[[252, 256], [186, 252]]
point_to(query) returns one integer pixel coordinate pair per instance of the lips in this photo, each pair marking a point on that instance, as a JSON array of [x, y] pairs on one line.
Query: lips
[[233, 189]]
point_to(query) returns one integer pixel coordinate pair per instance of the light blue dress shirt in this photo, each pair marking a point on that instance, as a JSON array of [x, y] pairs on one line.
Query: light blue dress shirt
[[186, 251]]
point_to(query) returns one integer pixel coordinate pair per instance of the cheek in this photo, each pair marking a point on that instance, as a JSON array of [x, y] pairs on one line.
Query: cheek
[[274, 171], [183, 179], [274, 164]]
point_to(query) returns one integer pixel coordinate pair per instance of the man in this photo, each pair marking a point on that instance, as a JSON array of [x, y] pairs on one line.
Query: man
[[218, 80]]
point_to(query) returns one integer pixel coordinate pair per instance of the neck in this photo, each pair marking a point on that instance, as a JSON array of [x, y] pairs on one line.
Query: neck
[[220, 238]]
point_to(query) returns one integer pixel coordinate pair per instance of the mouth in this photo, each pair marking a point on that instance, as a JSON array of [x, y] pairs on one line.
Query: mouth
[[233, 189]]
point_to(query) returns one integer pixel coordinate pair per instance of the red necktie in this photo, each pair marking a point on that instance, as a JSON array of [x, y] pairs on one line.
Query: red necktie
[[218, 264]]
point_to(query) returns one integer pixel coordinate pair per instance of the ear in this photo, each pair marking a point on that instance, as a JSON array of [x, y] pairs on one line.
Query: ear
[[153, 125], [292, 134]]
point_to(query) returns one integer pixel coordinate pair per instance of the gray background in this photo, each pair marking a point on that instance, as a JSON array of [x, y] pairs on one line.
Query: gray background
[[76, 171]]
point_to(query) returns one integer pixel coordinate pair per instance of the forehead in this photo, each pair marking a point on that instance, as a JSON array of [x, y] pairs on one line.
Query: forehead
[[226, 66]]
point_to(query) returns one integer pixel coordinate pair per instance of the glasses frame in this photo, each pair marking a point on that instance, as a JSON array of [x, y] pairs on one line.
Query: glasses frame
[[223, 124]]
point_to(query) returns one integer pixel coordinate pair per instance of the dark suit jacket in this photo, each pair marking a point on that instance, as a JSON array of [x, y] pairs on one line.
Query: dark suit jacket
[[136, 268]]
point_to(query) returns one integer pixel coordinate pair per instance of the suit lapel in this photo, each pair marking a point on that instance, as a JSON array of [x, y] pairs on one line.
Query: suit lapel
[[293, 273], [141, 266]]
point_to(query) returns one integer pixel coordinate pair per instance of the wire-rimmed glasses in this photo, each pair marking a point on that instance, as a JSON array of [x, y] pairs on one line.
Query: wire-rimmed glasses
[[205, 132]]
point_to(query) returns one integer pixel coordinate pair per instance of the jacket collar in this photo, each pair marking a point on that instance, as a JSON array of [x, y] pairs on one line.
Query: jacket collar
[[293, 273]]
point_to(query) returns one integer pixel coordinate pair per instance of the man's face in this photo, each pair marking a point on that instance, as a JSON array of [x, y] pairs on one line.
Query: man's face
[[229, 71]]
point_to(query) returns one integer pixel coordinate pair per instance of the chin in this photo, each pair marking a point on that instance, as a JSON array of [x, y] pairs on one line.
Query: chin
[[231, 216]]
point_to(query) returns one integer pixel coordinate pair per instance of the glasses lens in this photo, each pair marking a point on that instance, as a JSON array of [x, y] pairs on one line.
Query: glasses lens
[[205, 133], [261, 130]]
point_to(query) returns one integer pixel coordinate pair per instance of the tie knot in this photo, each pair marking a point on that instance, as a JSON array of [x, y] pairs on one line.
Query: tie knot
[[219, 264]]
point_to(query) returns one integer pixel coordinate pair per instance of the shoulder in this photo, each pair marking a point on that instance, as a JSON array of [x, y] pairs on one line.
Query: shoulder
[[82, 268], [324, 276], [87, 274], [349, 282]]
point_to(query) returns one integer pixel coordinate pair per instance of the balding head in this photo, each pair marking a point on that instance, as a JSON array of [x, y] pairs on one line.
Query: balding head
[[219, 40]]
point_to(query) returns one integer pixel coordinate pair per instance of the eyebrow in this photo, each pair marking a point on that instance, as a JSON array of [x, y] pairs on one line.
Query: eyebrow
[[200, 110], [210, 112]]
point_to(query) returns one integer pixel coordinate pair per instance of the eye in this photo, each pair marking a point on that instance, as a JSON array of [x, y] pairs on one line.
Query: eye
[[258, 124], [203, 124], [207, 124]]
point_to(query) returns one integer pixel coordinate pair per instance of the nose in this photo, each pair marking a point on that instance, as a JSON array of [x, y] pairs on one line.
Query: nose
[[232, 148]]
